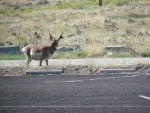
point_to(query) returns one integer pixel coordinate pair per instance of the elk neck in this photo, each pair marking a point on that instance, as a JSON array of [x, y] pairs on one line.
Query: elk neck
[[52, 48]]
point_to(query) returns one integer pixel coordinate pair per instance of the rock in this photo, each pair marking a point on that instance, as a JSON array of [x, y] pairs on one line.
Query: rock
[[116, 48], [68, 48]]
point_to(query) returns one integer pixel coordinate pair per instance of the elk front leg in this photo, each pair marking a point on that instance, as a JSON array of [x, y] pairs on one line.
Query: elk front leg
[[46, 62], [28, 61]]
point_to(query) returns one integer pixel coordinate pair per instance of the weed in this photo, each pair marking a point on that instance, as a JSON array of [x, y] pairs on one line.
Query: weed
[[19, 39], [134, 15]]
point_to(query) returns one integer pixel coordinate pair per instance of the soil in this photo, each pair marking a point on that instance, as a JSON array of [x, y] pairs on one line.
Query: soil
[[69, 70]]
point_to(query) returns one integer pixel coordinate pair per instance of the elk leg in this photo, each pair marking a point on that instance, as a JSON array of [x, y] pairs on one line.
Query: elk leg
[[46, 62], [28, 57], [28, 61], [40, 62]]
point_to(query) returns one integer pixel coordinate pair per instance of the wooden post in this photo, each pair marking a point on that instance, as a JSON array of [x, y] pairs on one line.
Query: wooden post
[[45, 1], [100, 2]]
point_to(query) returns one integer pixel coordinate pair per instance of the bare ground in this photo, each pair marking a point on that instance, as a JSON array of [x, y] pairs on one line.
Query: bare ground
[[69, 70]]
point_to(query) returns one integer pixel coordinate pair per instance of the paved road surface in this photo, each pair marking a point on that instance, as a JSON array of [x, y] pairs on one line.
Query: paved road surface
[[75, 94]]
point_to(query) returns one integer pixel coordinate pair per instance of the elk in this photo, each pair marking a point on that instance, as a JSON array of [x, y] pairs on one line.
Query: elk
[[41, 52]]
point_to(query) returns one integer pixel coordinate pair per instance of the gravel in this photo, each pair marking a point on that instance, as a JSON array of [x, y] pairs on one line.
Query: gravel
[[69, 70]]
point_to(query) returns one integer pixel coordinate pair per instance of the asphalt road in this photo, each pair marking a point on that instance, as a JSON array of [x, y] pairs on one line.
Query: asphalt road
[[75, 94]]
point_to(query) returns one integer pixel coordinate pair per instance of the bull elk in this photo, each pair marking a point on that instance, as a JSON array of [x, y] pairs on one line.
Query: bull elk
[[41, 52]]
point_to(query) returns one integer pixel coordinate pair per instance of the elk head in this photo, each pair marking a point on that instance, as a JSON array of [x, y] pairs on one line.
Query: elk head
[[55, 41]]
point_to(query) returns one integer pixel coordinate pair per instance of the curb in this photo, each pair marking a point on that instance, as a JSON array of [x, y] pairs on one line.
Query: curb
[[10, 50], [116, 70], [45, 72]]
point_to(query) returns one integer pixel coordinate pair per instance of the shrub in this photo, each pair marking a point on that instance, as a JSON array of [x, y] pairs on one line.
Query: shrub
[[146, 53]]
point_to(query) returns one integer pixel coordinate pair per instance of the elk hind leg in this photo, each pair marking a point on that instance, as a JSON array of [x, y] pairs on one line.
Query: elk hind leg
[[28, 57], [46, 62]]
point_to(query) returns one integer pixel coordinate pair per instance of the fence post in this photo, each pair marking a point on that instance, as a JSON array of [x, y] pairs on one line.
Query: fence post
[[100, 2]]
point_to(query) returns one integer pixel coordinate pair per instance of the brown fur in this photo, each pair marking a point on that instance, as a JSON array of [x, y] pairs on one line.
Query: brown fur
[[45, 51]]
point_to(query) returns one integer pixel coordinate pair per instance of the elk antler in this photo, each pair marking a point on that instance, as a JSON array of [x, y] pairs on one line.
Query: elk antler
[[51, 37], [61, 35]]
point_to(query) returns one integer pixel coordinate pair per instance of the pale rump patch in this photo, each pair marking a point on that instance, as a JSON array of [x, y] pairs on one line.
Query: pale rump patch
[[23, 49], [36, 55]]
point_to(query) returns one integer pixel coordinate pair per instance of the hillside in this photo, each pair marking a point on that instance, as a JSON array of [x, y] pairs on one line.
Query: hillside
[[83, 22]]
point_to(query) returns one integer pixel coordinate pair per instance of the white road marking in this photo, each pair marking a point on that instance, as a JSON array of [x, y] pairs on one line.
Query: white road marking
[[145, 97], [72, 81], [116, 77], [75, 106], [77, 81]]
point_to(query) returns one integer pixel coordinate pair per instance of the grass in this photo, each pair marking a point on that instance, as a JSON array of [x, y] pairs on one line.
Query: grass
[[146, 53], [123, 55], [57, 54], [116, 1], [84, 18], [65, 5], [68, 55], [134, 15], [11, 57]]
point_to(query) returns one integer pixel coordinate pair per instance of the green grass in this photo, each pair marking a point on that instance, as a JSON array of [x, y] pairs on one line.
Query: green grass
[[11, 57], [57, 54], [105, 2], [123, 54], [74, 54], [146, 53], [134, 15], [84, 18], [130, 15], [74, 4], [19, 39], [71, 54], [63, 5]]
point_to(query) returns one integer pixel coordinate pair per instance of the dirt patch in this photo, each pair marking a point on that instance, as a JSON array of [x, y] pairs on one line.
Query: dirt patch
[[69, 70]]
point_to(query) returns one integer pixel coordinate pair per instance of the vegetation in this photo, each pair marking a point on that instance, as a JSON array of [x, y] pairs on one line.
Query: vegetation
[[11, 57], [117, 22], [74, 54]]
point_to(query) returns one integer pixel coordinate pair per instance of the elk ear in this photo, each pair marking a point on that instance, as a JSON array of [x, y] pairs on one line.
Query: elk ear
[[51, 37]]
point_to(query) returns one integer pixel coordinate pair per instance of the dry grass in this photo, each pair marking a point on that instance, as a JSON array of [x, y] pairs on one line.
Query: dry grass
[[101, 26]]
